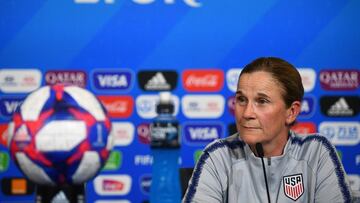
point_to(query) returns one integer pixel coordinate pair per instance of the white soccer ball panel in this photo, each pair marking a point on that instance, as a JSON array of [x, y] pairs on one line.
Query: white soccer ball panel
[[60, 135], [32, 171], [21, 134], [110, 141], [31, 107], [88, 167], [87, 101], [10, 132]]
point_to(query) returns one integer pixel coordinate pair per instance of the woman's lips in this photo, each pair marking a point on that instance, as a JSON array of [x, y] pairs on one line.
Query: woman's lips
[[250, 127]]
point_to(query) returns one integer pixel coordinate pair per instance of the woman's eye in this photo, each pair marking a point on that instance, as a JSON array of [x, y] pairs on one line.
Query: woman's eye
[[240, 100], [262, 101]]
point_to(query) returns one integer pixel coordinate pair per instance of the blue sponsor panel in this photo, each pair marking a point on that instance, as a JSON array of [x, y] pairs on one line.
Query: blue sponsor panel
[[115, 81], [145, 183], [307, 107], [202, 133], [8, 106]]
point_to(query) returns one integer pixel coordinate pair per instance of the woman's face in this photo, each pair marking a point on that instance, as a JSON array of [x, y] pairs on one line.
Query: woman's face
[[260, 111]]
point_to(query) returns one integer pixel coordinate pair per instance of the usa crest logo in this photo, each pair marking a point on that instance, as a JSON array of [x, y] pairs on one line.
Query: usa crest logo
[[293, 186]]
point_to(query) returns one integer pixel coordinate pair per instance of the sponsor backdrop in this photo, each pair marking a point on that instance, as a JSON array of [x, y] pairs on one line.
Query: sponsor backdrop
[[125, 51]]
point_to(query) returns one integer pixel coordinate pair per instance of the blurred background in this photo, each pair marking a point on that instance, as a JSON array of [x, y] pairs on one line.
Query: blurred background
[[126, 51]]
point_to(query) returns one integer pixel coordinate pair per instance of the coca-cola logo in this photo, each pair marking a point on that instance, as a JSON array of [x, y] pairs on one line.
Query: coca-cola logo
[[304, 128], [203, 80], [77, 78], [339, 79], [118, 106], [206, 80]]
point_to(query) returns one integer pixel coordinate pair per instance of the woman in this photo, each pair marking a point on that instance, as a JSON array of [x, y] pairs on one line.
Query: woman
[[297, 168]]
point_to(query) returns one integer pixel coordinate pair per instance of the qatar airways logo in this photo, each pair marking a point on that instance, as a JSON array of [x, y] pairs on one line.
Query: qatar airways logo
[[77, 78], [190, 3], [143, 132], [231, 104], [112, 184], [339, 79], [203, 80], [202, 133]]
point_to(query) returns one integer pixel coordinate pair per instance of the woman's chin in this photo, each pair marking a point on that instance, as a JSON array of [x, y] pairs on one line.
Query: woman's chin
[[250, 139]]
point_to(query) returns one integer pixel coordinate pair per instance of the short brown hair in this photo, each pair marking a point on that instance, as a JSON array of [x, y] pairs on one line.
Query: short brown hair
[[283, 72]]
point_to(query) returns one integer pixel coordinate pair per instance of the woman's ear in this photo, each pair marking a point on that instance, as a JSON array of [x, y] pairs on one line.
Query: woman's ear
[[292, 112]]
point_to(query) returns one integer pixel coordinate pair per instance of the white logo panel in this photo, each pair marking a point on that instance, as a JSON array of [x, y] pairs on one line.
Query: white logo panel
[[341, 133], [354, 181], [19, 80], [203, 106], [232, 77], [146, 105], [308, 78], [122, 133]]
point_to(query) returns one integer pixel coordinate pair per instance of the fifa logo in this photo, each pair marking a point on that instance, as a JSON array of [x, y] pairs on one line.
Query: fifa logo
[[190, 3]]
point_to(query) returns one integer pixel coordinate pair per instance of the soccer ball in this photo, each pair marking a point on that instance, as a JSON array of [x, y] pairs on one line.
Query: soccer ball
[[60, 135]]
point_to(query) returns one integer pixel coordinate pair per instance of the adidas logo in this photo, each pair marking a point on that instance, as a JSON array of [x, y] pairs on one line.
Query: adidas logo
[[340, 107], [60, 198], [157, 82]]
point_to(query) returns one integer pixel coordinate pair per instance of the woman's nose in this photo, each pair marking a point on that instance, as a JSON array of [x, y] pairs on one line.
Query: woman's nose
[[248, 111]]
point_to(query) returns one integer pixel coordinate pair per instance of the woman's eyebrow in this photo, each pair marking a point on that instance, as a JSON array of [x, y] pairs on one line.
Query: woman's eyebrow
[[238, 92], [260, 94]]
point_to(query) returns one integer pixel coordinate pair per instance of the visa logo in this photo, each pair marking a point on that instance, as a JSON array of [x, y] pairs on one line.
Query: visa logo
[[8, 106], [203, 80], [112, 80], [202, 133]]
